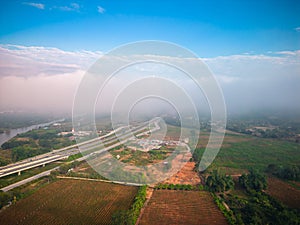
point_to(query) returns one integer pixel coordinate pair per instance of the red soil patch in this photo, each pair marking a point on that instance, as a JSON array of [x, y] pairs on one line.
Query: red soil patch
[[186, 175]]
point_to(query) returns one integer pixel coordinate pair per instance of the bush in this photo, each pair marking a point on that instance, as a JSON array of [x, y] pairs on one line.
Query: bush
[[129, 217], [254, 181], [5, 198], [217, 182], [64, 169], [175, 186], [291, 172]]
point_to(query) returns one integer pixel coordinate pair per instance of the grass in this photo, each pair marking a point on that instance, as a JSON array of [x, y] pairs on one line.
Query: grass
[[74, 157], [242, 152]]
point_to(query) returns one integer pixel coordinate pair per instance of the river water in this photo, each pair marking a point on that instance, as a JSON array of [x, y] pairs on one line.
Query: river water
[[4, 137]]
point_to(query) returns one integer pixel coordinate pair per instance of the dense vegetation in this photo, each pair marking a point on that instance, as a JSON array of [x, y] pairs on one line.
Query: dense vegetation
[[129, 217], [254, 181], [175, 187], [255, 206], [217, 182], [5, 198], [67, 167], [290, 172]]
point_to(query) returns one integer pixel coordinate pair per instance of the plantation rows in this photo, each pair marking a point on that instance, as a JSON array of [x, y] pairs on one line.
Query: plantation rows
[[71, 202], [182, 207]]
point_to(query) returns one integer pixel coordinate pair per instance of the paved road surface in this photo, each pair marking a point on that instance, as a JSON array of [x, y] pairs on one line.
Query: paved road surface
[[25, 181]]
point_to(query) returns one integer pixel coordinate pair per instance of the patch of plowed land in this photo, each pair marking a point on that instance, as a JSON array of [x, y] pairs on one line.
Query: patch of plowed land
[[284, 192], [70, 202], [187, 175], [172, 207]]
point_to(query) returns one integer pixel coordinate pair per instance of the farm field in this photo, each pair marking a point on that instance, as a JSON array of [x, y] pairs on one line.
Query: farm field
[[284, 192], [181, 207], [241, 152], [71, 202]]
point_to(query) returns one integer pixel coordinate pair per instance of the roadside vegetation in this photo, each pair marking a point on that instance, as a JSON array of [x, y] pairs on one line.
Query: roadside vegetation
[[13, 178]]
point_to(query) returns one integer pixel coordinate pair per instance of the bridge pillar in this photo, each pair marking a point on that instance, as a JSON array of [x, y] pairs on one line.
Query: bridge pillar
[[44, 165], [19, 173]]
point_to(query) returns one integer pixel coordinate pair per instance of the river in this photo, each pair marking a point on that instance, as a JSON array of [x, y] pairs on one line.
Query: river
[[7, 135]]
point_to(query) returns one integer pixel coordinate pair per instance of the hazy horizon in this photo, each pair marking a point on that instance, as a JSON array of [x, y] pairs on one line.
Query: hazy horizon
[[45, 51]]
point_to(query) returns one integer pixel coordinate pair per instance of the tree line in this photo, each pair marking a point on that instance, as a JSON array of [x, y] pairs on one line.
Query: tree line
[[290, 172], [256, 207]]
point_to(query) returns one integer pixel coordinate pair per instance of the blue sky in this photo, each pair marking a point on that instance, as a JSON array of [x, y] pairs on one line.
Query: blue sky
[[209, 28]]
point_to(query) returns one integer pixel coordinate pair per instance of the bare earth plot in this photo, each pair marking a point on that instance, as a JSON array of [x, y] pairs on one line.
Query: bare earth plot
[[187, 175], [284, 192], [181, 207], [71, 202]]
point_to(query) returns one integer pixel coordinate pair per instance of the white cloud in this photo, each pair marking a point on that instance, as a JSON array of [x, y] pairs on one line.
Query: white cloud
[[291, 53], [297, 29], [100, 9], [75, 5], [36, 5], [16, 60], [253, 66], [71, 7]]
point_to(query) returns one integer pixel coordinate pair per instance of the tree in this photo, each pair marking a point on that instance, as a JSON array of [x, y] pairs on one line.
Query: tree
[[63, 169], [217, 182], [4, 198], [121, 217], [253, 181], [291, 172]]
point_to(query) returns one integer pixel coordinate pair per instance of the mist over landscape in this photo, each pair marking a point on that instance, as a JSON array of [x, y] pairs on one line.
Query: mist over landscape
[[40, 79]]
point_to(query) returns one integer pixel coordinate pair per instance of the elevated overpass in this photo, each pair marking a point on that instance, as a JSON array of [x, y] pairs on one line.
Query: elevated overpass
[[90, 146]]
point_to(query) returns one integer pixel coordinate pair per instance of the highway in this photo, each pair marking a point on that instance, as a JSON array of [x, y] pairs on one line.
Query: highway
[[25, 181], [89, 147]]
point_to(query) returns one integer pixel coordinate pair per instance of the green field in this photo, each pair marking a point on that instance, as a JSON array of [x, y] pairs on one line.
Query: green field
[[242, 152]]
